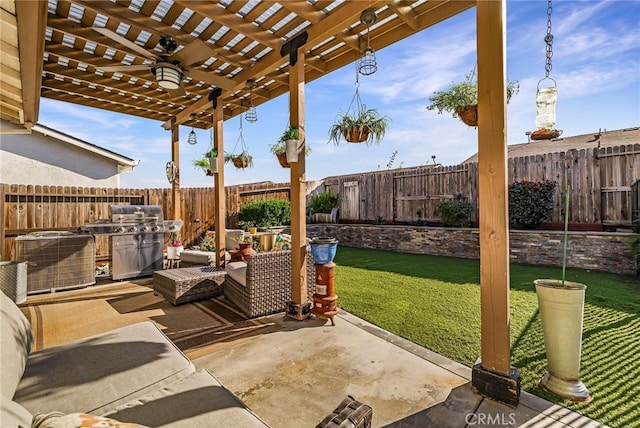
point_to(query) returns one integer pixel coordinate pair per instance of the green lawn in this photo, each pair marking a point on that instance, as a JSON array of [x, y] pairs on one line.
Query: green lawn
[[435, 302]]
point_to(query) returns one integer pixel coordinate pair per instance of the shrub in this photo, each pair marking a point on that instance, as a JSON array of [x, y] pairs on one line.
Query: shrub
[[324, 202], [265, 214], [531, 202], [455, 213]]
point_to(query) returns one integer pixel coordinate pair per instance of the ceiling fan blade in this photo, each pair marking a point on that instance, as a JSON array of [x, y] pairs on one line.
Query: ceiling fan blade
[[178, 92], [124, 42], [193, 52], [134, 67], [211, 78]]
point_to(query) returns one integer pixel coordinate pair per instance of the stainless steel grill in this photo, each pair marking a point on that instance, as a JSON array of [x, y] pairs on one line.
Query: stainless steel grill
[[137, 238]]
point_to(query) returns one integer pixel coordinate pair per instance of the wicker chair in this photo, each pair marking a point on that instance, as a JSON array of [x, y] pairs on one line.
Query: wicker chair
[[268, 283]]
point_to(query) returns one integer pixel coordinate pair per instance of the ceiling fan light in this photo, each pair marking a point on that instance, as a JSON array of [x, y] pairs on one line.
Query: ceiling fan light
[[168, 75]]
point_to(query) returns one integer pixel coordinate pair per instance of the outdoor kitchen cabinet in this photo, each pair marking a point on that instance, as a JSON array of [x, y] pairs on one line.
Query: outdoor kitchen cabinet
[[136, 255]]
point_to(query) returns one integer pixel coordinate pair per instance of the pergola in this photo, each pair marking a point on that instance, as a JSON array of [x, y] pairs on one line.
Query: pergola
[[125, 56]]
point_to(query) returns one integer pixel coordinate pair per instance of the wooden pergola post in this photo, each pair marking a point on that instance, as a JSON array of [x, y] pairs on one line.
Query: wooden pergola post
[[218, 179], [175, 157], [493, 376], [299, 307]]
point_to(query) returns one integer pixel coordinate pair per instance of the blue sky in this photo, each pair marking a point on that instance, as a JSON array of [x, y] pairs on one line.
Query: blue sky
[[596, 64]]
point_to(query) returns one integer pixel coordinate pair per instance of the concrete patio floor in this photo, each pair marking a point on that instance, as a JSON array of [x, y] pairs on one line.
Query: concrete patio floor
[[299, 371]]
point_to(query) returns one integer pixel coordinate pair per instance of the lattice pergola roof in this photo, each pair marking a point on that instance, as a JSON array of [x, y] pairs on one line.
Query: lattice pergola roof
[[220, 44]]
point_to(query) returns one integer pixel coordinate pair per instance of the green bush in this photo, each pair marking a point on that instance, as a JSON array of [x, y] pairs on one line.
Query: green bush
[[324, 202], [530, 202], [455, 213], [265, 214]]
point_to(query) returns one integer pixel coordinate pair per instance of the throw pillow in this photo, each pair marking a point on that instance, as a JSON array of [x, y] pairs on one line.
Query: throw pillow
[[283, 242], [78, 420]]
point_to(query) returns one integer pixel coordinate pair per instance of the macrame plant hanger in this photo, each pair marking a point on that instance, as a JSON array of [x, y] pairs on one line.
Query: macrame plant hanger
[[357, 135], [546, 96], [243, 159]]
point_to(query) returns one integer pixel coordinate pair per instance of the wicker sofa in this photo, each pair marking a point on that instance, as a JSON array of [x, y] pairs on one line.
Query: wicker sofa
[[262, 284]]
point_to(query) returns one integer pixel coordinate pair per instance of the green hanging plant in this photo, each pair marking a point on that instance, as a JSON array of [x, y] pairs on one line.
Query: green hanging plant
[[365, 125], [461, 99]]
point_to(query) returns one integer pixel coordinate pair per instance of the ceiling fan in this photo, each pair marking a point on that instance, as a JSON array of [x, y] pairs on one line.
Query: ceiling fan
[[171, 66]]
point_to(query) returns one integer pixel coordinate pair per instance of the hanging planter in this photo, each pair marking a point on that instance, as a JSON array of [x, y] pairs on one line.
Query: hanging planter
[[356, 134], [208, 163], [287, 148], [282, 159], [363, 126], [461, 99], [243, 159], [468, 114], [359, 124], [212, 156]]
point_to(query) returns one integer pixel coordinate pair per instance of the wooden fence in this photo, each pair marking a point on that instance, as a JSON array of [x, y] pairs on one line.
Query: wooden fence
[[601, 195], [600, 192], [29, 209]]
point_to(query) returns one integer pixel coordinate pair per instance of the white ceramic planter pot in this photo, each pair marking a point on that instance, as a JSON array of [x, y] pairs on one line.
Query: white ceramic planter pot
[[213, 165], [561, 312], [174, 252], [292, 150]]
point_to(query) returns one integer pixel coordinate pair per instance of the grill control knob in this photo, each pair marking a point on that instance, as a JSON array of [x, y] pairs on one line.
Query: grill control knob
[[144, 229], [155, 228], [118, 229], [132, 229]]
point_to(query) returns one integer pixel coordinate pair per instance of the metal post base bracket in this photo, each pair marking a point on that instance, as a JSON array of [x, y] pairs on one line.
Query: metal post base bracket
[[502, 388], [299, 311]]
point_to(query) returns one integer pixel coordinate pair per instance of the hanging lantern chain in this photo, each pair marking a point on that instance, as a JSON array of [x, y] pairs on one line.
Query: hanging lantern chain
[[549, 40]]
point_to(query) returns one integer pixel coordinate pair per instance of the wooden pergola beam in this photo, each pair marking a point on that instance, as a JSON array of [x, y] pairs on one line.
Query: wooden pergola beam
[[31, 19], [493, 376], [298, 179], [218, 178]]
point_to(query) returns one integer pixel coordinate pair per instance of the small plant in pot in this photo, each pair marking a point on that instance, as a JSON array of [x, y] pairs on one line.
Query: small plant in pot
[[208, 163], [365, 125], [241, 160], [286, 149], [461, 99]]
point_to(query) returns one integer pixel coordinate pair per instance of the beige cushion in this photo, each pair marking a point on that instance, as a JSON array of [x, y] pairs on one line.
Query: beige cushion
[[197, 401], [13, 415], [237, 271], [101, 372], [78, 420], [16, 337]]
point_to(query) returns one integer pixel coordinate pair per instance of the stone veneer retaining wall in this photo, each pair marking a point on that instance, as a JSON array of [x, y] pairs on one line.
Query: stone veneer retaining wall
[[609, 252]]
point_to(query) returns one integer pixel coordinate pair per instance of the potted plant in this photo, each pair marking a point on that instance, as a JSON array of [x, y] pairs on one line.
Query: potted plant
[[366, 125], [176, 247], [286, 149], [208, 163], [461, 99], [561, 306], [241, 161]]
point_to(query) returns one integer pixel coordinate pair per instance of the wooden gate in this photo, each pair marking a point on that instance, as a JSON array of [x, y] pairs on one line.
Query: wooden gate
[[350, 201]]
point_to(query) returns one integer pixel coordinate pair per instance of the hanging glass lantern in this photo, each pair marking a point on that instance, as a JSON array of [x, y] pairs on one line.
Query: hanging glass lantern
[[193, 139], [251, 115], [367, 63]]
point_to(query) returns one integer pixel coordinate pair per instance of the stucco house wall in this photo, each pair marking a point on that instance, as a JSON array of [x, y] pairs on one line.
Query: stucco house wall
[[48, 157]]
